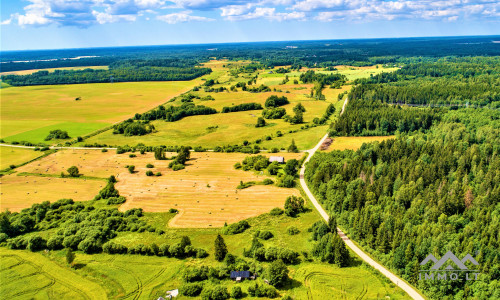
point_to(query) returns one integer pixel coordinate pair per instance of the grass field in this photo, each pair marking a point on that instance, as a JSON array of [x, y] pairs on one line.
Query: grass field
[[15, 156], [355, 142], [205, 192], [29, 113], [234, 128], [26, 72], [148, 277]]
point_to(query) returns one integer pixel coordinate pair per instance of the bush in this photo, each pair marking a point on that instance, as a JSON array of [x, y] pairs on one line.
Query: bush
[[113, 248], [3, 237], [278, 273], [132, 155], [55, 242], [73, 171], [131, 169], [267, 181], [57, 134], [287, 181], [292, 230], [116, 200], [216, 293], [158, 174], [173, 211], [191, 289], [265, 235], [36, 243], [257, 290], [236, 165], [236, 228], [149, 173], [193, 274], [276, 211], [236, 292], [149, 166], [294, 205]]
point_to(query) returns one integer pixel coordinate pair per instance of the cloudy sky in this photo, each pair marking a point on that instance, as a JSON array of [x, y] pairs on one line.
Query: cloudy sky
[[48, 24]]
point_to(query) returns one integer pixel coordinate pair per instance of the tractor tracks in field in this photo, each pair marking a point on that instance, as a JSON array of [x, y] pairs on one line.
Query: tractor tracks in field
[[53, 280]]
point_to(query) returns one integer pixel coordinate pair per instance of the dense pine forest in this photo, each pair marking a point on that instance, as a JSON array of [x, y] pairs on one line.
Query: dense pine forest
[[422, 194]]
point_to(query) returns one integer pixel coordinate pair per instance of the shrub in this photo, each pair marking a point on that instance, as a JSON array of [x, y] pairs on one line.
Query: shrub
[[236, 228], [131, 169], [149, 166], [265, 235], [267, 181], [257, 290], [104, 150], [173, 211], [57, 134], [236, 165], [276, 211], [158, 174], [294, 205], [292, 230], [149, 173], [278, 273], [114, 248], [216, 293], [286, 181], [132, 155], [236, 292], [193, 274], [116, 200], [36, 243], [3, 237], [191, 289]]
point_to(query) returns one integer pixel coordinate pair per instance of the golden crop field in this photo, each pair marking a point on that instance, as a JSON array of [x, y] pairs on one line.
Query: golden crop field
[[20, 192], [355, 142], [30, 112], [205, 192]]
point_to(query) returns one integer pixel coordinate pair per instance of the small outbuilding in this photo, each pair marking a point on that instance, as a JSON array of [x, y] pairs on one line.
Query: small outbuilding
[[279, 159], [240, 275]]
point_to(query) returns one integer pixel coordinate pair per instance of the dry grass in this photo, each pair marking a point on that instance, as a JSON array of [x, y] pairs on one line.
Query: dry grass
[[355, 142], [20, 192], [15, 156], [205, 192]]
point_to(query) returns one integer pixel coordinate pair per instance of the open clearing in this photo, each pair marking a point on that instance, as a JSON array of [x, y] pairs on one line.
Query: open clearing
[[20, 192], [30, 112], [355, 142], [205, 192], [15, 156]]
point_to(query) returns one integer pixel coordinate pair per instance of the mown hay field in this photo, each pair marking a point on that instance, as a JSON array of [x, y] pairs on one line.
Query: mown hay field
[[29, 113], [204, 192], [354, 142]]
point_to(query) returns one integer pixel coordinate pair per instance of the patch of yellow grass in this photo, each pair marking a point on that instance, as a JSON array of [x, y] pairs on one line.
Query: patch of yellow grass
[[27, 72], [204, 192], [355, 142], [15, 156]]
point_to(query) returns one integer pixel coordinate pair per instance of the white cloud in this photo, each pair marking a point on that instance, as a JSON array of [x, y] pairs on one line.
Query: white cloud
[[247, 12], [182, 17]]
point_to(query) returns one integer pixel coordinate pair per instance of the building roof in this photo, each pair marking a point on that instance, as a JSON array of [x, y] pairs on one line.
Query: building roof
[[242, 274], [279, 159]]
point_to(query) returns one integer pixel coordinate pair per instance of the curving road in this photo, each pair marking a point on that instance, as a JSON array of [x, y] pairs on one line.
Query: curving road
[[367, 259]]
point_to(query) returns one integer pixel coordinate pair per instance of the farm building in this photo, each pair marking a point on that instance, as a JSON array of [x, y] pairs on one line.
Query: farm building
[[279, 159], [241, 275]]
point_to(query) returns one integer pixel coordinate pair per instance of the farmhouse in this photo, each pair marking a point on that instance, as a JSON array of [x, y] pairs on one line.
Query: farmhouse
[[279, 159], [241, 275]]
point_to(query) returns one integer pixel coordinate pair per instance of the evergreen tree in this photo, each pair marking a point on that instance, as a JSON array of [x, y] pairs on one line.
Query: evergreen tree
[[70, 256], [220, 248], [293, 148]]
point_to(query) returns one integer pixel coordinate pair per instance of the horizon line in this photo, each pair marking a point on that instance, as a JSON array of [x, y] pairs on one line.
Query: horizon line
[[252, 42]]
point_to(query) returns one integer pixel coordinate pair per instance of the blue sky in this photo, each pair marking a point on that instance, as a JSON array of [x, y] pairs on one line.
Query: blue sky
[[49, 24]]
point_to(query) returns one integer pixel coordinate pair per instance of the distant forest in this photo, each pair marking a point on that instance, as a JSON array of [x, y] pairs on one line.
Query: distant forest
[[323, 53], [121, 71]]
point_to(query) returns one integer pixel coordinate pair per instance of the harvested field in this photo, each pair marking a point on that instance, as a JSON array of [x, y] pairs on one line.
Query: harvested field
[[355, 142], [20, 192], [205, 192]]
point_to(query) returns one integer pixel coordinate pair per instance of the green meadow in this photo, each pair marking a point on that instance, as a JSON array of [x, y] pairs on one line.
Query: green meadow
[[45, 274]]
